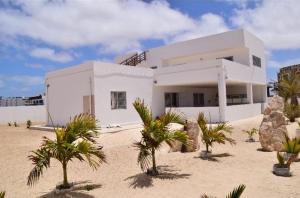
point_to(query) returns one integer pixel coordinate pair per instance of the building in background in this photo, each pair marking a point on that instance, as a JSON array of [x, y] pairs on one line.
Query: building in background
[[287, 70], [222, 75], [21, 101]]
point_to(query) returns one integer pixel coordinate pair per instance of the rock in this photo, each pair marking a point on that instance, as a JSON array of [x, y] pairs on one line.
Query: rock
[[193, 131], [176, 145], [273, 126], [276, 103]]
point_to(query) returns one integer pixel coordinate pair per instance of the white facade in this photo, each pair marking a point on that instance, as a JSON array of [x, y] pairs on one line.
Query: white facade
[[195, 74]]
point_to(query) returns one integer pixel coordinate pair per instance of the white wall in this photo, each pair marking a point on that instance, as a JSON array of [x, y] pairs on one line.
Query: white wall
[[21, 114], [213, 43], [212, 114], [136, 82], [185, 96], [237, 112], [66, 91]]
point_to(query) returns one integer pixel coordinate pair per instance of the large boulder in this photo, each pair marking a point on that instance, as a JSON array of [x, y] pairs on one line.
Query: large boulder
[[191, 128], [273, 127], [193, 131]]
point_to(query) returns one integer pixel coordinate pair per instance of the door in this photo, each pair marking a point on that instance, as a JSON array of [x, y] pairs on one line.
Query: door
[[198, 99]]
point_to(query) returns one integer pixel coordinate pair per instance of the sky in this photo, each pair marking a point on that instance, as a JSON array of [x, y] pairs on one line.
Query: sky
[[38, 36]]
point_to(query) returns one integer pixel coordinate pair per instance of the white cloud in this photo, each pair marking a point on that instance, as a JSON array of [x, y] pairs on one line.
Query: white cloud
[[279, 64], [50, 54], [113, 24], [25, 80], [240, 3], [208, 24], [275, 22]]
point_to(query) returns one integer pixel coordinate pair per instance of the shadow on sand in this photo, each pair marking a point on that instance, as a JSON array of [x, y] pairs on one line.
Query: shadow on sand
[[142, 180], [214, 157], [75, 192], [263, 150]]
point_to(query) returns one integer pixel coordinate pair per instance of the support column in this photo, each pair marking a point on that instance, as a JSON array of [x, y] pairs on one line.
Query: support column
[[249, 93], [222, 94]]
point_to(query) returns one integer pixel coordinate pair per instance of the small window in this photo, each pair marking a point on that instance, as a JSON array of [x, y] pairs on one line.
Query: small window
[[256, 61], [118, 100], [171, 100], [198, 99], [230, 58]]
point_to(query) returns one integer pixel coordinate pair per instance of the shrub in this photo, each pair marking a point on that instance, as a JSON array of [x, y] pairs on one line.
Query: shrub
[[236, 193], [15, 124], [2, 194], [251, 133], [291, 111], [9, 124], [28, 124]]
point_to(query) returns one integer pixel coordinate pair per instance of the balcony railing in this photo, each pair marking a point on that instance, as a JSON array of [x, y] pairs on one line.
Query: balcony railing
[[135, 59]]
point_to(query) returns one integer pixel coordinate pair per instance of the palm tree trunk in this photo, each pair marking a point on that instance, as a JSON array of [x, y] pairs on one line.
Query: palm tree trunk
[[154, 170], [206, 148], [65, 181], [294, 100]]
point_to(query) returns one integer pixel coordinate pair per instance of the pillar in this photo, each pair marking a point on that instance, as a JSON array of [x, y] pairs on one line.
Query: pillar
[[222, 94]]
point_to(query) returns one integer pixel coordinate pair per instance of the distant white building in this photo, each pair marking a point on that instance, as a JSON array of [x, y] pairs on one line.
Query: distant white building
[[223, 76], [21, 101]]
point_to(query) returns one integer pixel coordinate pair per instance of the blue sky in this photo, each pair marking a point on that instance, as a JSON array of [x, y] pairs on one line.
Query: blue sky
[[41, 36]]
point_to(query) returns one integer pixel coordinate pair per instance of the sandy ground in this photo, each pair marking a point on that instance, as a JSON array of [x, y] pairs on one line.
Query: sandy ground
[[183, 174]]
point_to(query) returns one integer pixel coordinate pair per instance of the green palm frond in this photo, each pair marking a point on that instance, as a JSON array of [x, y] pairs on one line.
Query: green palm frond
[[207, 196], [2, 194], [144, 156], [143, 111], [171, 117], [289, 86], [41, 160], [237, 192]]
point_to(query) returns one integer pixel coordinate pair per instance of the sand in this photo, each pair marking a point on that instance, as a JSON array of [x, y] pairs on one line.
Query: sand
[[184, 174]]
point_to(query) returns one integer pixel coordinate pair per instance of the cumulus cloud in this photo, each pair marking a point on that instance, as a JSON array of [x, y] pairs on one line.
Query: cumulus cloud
[[275, 22], [115, 25], [50, 54], [207, 24]]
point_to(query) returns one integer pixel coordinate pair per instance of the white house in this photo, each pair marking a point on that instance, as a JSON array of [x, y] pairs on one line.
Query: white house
[[222, 75]]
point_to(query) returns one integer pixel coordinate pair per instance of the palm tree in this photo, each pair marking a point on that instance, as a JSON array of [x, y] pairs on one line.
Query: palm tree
[[236, 193], [2, 194], [289, 86], [155, 132], [75, 141], [214, 134]]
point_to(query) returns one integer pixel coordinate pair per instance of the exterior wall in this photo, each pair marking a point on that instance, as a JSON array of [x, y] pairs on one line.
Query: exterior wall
[[185, 97], [212, 114], [204, 45], [21, 114], [136, 82], [66, 90], [237, 112]]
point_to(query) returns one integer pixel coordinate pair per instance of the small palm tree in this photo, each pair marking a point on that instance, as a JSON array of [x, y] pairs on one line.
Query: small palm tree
[[251, 134], [214, 134], [289, 87], [236, 193], [75, 141], [2, 194], [155, 132]]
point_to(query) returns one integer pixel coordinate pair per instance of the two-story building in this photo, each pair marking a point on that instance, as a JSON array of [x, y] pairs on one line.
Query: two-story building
[[222, 75]]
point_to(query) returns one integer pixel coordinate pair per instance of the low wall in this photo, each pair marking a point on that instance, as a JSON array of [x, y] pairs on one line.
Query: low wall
[[21, 114], [211, 113], [237, 112]]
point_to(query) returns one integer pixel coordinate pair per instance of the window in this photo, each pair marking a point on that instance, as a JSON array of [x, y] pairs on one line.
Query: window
[[198, 99], [230, 58], [118, 99], [256, 61], [171, 100]]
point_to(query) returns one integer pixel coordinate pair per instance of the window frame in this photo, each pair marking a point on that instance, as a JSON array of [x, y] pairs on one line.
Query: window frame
[[117, 95], [256, 61], [173, 103]]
